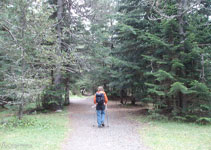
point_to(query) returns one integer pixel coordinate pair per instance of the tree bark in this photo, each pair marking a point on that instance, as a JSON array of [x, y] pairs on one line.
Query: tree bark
[[67, 92], [57, 73], [57, 80], [52, 77], [133, 101], [23, 20], [202, 74], [174, 103], [181, 9]]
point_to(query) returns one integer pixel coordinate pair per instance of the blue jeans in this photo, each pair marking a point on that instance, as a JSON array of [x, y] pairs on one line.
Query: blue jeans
[[100, 117]]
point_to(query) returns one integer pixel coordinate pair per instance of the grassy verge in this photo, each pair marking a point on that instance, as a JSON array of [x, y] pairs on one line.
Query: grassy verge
[[77, 96], [35, 132], [160, 135]]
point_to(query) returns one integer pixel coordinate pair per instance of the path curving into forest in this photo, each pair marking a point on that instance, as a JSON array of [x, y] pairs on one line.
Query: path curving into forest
[[122, 133]]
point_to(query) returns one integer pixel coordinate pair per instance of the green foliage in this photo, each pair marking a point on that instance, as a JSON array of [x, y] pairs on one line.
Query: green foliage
[[204, 107], [162, 75], [157, 116], [179, 118], [176, 64], [154, 91], [125, 27], [186, 118], [178, 87], [191, 118], [165, 135], [126, 46], [41, 131], [51, 98], [26, 55], [203, 121], [23, 123], [201, 90], [173, 62], [155, 40]]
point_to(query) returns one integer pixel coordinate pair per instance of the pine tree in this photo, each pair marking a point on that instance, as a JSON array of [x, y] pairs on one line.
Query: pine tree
[[161, 52]]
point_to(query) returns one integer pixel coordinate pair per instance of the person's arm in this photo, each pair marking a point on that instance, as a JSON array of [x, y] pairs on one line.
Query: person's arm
[[95, 99], [106, 98]]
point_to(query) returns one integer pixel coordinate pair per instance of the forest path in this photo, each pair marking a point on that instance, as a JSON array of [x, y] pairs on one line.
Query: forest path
[[122, 133]]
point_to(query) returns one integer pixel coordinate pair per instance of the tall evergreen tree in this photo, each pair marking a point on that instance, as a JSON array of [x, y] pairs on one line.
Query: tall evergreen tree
[[158, 51]]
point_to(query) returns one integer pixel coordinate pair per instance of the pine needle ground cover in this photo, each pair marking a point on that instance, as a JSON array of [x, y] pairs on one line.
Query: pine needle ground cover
[[162, 135], [33, 132]]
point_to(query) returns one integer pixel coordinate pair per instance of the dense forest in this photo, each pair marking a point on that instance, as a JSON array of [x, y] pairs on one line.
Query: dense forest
[[149, 51]]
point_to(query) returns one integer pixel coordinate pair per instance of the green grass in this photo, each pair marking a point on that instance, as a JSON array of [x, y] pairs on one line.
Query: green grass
[[43, 132], [77, 96], [160, 135]]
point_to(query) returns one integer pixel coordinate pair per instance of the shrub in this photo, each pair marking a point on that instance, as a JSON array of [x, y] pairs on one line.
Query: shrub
[[157, 116], [25, 122], [179, 118], [191, 118], [203, 121]]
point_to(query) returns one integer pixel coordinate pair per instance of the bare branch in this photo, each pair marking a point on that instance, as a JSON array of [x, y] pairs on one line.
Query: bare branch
[[13, 37], [194, 5]]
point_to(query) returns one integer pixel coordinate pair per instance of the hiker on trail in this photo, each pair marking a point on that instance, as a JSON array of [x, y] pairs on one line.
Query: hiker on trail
[[101, 101]]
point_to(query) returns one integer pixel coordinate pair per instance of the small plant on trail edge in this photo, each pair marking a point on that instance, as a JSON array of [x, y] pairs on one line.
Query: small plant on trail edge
[[203, 121], [24, 123], [157, 116], [179, 118]]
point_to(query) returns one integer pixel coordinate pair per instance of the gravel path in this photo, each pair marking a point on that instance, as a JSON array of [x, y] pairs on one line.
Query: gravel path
[[122, 133]]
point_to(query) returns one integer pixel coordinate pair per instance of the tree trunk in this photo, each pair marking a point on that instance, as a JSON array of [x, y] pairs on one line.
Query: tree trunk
[[57, 73], [174, 103], [20, 111], [182, 102], [182, 7], [133, 101], [57, 80], [121, 100], [202, 74], [23, 20], [122, 96], [67, 92], [184, 105], [52, 77]]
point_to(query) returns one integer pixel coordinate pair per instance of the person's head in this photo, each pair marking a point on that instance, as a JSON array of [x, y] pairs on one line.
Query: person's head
[[100, 88]]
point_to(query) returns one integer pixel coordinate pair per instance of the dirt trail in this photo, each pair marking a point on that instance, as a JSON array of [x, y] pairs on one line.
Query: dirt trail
[[122, 133]]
